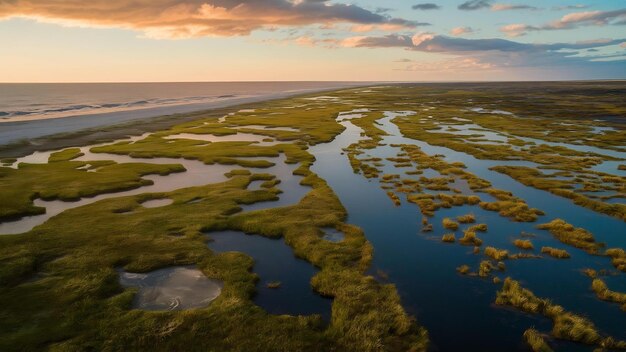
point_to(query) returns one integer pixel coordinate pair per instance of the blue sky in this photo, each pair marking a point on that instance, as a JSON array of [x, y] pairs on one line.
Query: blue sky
[[225, 40]]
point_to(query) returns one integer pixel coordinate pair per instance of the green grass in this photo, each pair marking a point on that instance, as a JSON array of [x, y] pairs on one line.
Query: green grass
[[59, 282], [63, 180]]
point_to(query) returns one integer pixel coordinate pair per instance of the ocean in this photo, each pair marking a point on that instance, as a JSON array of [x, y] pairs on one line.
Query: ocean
[[20, 102]]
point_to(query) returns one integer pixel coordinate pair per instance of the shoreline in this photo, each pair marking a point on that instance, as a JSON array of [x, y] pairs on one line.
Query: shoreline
[[77, 131], [21, 132]]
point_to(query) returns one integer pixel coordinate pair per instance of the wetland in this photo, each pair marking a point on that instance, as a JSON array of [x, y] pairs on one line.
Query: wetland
[[404, 217]]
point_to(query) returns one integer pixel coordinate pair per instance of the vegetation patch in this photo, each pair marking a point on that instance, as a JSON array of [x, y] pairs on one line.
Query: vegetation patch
[[567, 325]]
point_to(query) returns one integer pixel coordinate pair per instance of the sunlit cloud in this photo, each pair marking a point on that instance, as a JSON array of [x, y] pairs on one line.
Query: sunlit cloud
[[508, 7], [459, 31], [198, 18], [570, 21]]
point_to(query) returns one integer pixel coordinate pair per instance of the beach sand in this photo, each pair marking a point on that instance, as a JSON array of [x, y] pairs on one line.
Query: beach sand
[[19, 133]]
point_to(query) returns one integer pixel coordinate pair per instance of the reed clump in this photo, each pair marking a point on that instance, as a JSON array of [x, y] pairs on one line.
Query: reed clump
[[466, 219], [470, 239], [448, 238], [535, 340], [567, 325], [497, 254], [618, 258], [568, 234], [602, 291], [450, 224], [523, 244], [463, 269], [555, 252]]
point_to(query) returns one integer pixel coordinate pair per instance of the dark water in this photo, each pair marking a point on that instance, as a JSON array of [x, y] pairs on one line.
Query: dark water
[[458, 311], [274, 261]]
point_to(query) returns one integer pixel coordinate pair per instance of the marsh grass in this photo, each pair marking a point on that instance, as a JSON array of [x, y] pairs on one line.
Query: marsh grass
[[450, 224], [497, 254], [523, 244], [567, 325], [64, 181], [618, 258], [466, 219], [79, 304], [448, 238], [470, 239], [568, 234], [536, 341], [555, 252], [463, 269], [602, 291], [273, 284]]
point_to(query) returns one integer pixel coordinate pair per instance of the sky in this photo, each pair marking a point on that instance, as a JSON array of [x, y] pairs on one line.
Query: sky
[[320, 40]]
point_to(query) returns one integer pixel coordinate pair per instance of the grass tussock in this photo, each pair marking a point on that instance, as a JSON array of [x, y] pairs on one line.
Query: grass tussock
[[568, 234], [523, 244], [497, 254], [448, 238], [450, 224], [555, 252], [566, 325], [463, 269], [618, 258], [602, 291], [466, 219], [470, 239], [536, 341]]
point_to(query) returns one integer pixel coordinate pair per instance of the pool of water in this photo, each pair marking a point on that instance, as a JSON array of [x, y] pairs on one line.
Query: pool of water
[[274, 262], [237, 137], [197, 174], [176, 288], [424, 269]]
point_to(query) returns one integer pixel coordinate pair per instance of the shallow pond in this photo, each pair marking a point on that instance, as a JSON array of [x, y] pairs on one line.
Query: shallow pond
[[197, 174], [176, 288], [274, 262]]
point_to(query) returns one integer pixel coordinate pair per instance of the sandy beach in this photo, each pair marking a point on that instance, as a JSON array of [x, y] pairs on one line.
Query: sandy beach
[[26, 129]]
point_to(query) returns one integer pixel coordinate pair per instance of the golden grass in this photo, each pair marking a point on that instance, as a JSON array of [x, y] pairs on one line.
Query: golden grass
[[555, 252], [523, 244], [497, 254], [466, 219], [568, 234], [470, 239], [448, 238], [602, 291], [450, 224], [536, 341], [567, 325]]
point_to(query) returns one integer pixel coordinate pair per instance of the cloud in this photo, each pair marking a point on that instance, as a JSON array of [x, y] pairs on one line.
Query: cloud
[[459, 31], [448, 65], [493, 53], [474, 5], [426, 6], [570, 21], [569, 7], [196, 18], [507, 7]]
